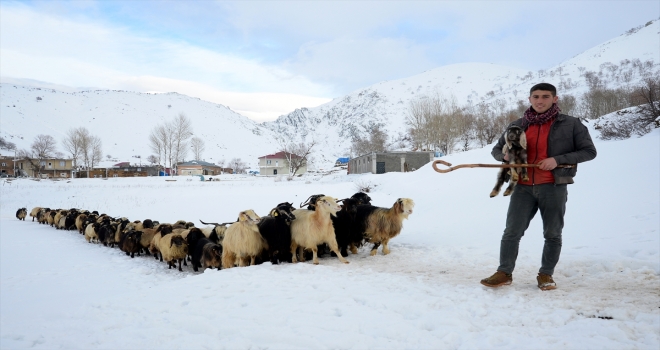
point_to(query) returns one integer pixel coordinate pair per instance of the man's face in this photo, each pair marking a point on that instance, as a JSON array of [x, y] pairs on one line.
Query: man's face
[[542, 100]]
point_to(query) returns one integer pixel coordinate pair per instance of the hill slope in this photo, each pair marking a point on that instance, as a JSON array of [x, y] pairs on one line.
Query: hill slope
[[124, 120]]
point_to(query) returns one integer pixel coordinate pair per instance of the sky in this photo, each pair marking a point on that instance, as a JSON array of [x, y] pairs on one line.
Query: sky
[[264, 59]]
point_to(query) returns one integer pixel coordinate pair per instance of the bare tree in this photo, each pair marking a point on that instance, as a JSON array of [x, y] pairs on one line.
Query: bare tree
[[466, 128], [567, 103], [297, 155], [432, 123], [181, 132], [238, 165], [198, 147], [153, 159], [374, 140], [158, 141], [648, 96], [44, 146], [91, 152], [72, 143], [85, 149], [4, 144], [419, 120], [169, 141]]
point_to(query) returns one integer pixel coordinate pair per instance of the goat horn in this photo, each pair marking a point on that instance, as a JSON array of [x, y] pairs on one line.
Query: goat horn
[[211, 223]]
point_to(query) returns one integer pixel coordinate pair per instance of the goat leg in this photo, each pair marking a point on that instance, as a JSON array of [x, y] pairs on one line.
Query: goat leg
[[509, 189], [341, 258], [301, 254], [374, 250], [315, 257], [386, 249], [294, 253]]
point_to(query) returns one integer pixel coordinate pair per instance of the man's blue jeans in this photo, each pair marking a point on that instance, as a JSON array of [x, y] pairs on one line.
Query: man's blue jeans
[[550, 200]]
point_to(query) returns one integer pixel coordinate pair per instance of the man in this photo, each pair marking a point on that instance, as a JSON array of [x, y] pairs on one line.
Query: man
[[552, 138]]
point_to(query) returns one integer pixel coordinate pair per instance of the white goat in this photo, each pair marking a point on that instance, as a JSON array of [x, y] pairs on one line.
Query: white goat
[[242, 240], [314, 227]]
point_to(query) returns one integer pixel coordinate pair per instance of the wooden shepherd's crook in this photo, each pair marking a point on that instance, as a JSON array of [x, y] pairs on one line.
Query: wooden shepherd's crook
[[452, 168]]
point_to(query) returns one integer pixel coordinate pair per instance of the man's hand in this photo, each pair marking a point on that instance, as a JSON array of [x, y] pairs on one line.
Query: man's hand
[[547, 164]]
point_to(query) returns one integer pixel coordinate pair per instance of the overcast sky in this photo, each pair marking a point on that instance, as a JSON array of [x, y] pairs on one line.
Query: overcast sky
[[266, 58]]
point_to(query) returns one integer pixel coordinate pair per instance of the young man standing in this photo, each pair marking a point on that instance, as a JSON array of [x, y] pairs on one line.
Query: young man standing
[[552, 138]]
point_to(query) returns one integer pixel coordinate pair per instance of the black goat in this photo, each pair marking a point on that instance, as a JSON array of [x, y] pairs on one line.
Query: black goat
[[21, 214], [130, 243], [361, 198], [204, 252], [348, 235], [106, 233], [275, 228]]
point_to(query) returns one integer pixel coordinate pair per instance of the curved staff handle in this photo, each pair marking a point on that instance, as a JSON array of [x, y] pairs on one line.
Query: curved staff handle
[[452, 168]]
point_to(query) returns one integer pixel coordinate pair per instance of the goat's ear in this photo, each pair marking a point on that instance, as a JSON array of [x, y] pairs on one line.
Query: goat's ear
[[399, 204], [523, 140]]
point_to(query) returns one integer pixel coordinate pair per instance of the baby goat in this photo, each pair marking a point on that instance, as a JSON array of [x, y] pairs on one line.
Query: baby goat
[[516, 148]]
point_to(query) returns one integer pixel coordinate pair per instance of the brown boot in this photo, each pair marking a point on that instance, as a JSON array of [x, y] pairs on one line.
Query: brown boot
[[498, 279], [546, 282]]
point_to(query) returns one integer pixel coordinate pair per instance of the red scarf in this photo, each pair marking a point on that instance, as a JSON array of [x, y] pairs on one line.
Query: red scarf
[[531, 117]]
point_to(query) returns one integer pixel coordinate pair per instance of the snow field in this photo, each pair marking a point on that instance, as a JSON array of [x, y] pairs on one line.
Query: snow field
[[58, 291]]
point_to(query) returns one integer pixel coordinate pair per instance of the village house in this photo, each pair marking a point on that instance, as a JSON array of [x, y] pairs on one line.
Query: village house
[[277, 164], [51, 168], [198, 167], [385, 162], [6, 166], [123, 169]]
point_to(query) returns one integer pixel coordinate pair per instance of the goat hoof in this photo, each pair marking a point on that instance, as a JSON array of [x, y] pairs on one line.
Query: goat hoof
[[373, 252], [494, 193]]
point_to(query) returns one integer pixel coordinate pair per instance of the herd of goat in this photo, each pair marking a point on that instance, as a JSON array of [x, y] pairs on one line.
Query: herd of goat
[[286, 234]]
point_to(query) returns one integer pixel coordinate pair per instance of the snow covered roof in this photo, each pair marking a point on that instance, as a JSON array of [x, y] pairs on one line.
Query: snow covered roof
[[279, 155], [197, 162]]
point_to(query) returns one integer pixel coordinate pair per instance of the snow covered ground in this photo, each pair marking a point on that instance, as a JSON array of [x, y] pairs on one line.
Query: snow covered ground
[[58, 291]]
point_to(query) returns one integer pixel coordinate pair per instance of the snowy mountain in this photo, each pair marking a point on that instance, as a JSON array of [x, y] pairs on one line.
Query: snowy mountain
[[387, 103], [124, 119]]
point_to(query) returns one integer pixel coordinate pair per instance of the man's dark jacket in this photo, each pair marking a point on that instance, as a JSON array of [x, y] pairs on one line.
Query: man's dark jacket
[[568, 142]]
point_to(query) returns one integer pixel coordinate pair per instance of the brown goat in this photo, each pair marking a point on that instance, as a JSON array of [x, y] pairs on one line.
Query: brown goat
[[383, 224]]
